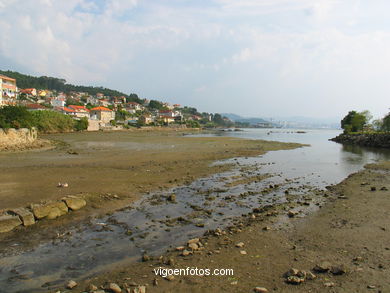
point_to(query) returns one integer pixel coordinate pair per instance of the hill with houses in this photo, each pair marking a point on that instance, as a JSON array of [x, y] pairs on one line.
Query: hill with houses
[[102, 107]]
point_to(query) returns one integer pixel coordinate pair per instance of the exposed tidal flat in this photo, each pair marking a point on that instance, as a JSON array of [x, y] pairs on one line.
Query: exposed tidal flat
[[257, 200]]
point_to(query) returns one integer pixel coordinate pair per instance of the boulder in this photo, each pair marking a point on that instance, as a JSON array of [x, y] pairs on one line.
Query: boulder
[[25, 215], [9, 222], [114, 288], [55, 209], [74, 203]]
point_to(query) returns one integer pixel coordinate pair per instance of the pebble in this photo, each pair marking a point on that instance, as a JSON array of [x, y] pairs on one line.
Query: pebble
[[193, 246], [240, 244], [169, 278], [71, 284], [323, 267], [195, 240], [338, 270], [92, 287], [180, 248], [260, 290], [329, 284], [114, 288], [186, 252], [295, 280], [243, 252]]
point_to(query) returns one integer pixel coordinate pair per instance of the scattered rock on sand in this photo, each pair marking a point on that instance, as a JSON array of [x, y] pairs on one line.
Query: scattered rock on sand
[[295, 280], [71, 284], [240, 244]]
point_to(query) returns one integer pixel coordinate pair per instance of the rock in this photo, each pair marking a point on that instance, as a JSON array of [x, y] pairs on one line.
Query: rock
[[195, 240], [92, 287], [155, 282], [291, 272], [371, 287], [54, 213], [185, 252], [145, 257], [25, 215], [243, 252], [266, 228], [384, 188], [171, 262], [329, 284], [114, 288], [310, 276], [260, 290], [139, 289], [71, 284], [193, 246], [292, 214], [172, 197], [180, 248], [170, 278], [323, 267], [74, 203], [9, 222], [295, 280], [42, 211], [373, 188], [338, 270], [240, 244]]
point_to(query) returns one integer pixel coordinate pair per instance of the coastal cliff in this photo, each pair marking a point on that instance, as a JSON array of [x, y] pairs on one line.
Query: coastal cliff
[[381, 140], [20, 139]]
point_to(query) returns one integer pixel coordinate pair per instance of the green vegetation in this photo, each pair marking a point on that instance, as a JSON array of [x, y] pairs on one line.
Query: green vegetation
[[355, 122], [45, 121], [57, 84]]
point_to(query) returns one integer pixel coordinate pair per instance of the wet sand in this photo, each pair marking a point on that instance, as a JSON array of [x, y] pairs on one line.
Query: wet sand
[[351, 229]]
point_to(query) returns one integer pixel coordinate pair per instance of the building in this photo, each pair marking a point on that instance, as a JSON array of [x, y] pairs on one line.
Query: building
[[146, 119], [75, 111], [102, 114], [8, 90], [35, 107], [29, 92]]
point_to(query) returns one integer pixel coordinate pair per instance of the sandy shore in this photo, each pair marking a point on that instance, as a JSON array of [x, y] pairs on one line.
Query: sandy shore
[[350, 231]]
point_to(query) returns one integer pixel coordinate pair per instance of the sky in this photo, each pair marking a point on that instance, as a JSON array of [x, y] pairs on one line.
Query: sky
[[259, 58]]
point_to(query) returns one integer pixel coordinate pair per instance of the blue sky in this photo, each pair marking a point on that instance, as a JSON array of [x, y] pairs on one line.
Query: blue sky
[[267, 58]]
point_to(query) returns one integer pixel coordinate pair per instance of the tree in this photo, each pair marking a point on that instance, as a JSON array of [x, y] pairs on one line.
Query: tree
[[81, 124], [353, 122], [153, 104], [15, 117], [386, 123]]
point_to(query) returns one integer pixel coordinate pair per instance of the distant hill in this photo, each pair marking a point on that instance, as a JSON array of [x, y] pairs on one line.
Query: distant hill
[[238, 118], [58, 84]]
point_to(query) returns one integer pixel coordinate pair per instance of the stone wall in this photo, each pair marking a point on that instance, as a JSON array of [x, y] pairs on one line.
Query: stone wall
[[10, 138], [380, 140]]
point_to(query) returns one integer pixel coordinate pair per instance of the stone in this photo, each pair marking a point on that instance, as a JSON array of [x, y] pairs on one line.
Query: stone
[[260, 290], [155, 282], [114, 288], [243, 252], [266, 228], [139, 289], [74, 203], [54, 213], [42, 211], [291, 272], [25, 215], [172, 197], [292, 214], [329, 284], [170, 277], [195, 240], [193, 246], [373, 188], [185, 252], [71, 284], [240, 244], [338, 270], [295, 280], [9, 222], [92, 287], [323, 267], [171, 262], [180, 248], [145, 257], [310, 276]]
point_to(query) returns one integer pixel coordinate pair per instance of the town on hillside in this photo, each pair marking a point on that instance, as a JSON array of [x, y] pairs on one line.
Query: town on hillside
[[105, 111]]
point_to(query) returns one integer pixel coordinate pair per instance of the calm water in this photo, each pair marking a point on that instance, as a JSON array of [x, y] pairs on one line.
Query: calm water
[[154, 224]]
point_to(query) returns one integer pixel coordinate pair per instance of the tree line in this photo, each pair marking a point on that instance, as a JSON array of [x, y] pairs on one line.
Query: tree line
[[363, 121]]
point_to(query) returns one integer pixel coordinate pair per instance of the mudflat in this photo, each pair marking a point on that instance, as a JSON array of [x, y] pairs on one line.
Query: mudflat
[[347, 239], [125, 164]]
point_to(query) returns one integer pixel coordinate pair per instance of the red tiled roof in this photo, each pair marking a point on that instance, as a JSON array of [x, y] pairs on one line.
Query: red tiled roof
[[100, 109], [68, 110], [35, 106], [6, 77], [78, 108]]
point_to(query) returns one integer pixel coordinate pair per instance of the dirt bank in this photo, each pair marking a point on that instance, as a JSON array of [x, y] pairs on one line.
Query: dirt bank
[[350, 231]]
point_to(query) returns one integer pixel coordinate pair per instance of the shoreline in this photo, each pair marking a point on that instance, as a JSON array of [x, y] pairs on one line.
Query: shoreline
[[345, 230]]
